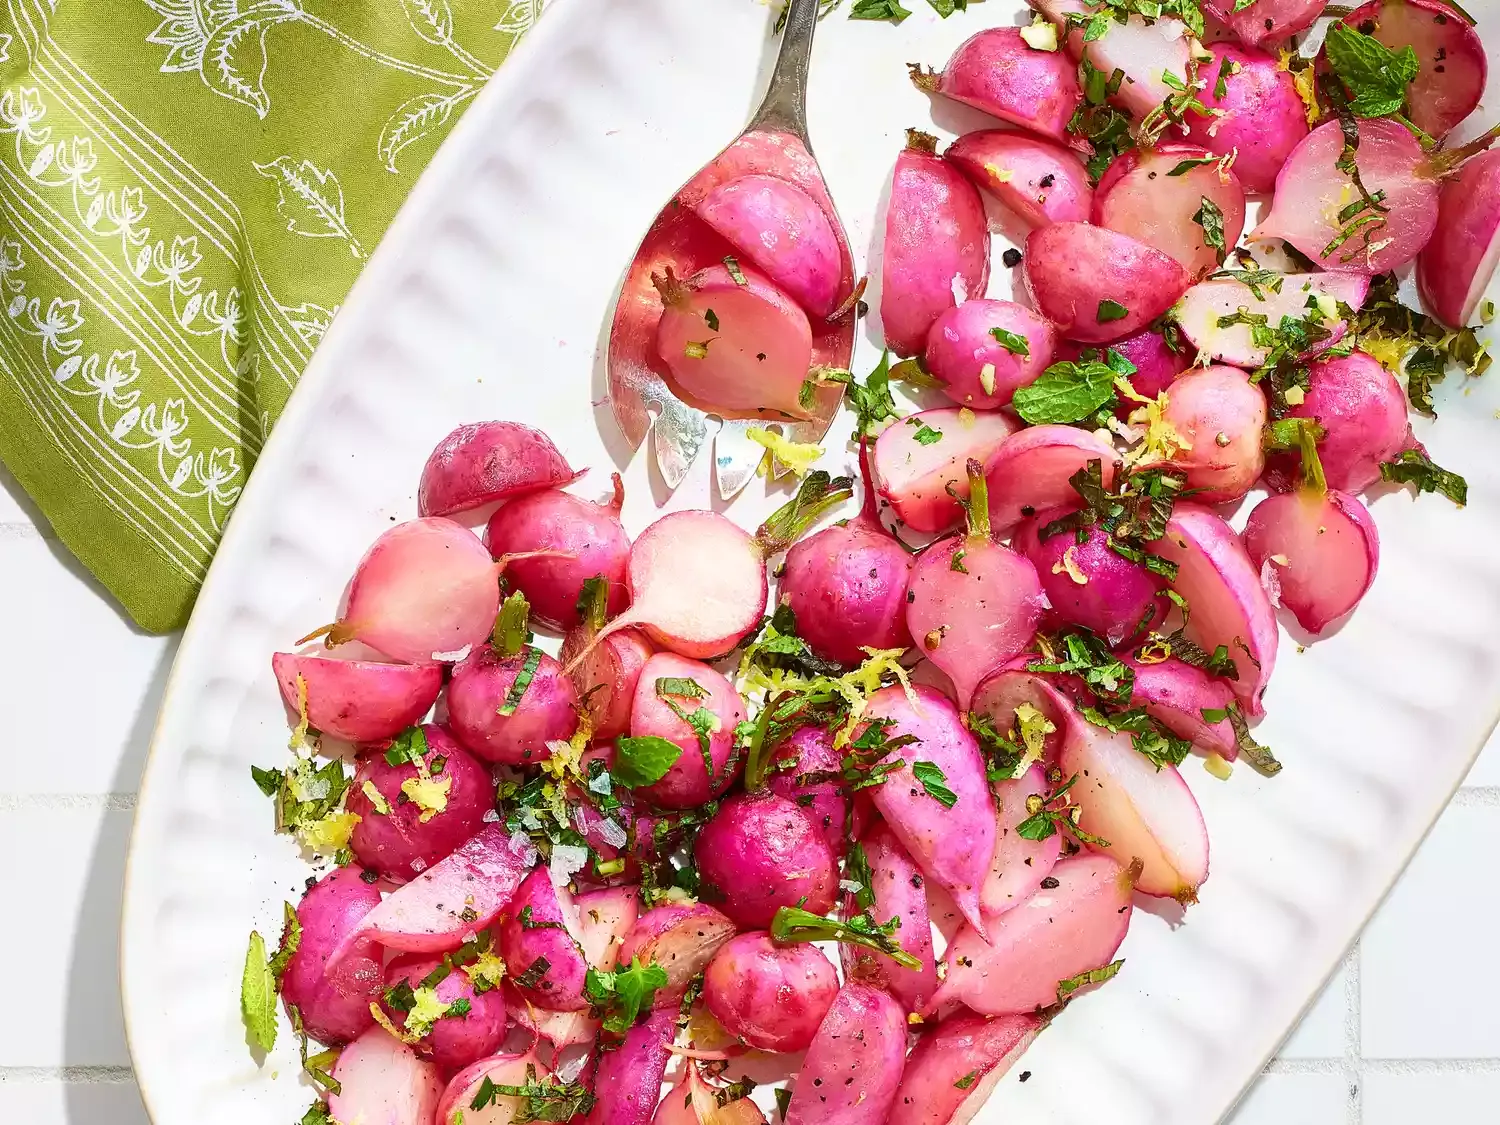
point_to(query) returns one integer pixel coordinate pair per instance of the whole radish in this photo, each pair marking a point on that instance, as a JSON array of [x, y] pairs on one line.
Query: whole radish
[[455, 1040], [334, 1004], [972, 603], [1040, 181], [1260, 117], [770, 997], [427, 590], [759, 853], [936, 243], [983, 350], [997, 71], [483, 462], [1455, 268], [509, 699], [417, 799], [736, 343], [938, 801], [1363, 411], [576, 540], [1452, 65], [1219, 414], [806, 769], [846, 585], [1317, 548], [1085, 581], [782, 231], [693, 706]]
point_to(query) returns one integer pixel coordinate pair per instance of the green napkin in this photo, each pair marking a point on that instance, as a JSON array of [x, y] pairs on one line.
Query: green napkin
[[188, 188]]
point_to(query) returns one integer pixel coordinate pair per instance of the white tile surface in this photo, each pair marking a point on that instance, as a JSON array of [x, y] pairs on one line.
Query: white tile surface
[[1296, 1099], [1419, 999], [66, 865], [1433, 1096]]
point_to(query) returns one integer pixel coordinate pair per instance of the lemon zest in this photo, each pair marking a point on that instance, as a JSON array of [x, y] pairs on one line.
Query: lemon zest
[[487, 969], [377, 798], [1068, 565], [799, 457], [1034, 727], [1040, 34], [428, 794], [1161, 441], [299, 732], [329, 835]]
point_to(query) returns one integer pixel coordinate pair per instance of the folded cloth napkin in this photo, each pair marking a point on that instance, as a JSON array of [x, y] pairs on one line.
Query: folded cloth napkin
[[188, 188]]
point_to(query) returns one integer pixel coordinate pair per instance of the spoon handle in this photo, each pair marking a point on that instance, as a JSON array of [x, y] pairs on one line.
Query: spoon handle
[[785, 104]]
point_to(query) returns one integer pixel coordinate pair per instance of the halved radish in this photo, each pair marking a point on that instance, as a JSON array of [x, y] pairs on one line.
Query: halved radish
[[850, 1073], [1086, 581], [1040, 181], [1317, 207], [1219, 414], [951, 1073], [462, 1104], [604, 918], [448, 903], [1145, 195], [681, 939], [896, 882], [483, 462], [1451, 80], [737, 343], [937, 245], [913, 471], [628, 1080], [360, 700], [1206, 306], [1056, 935], [982, 351], [1097, 285], [1259, 118], [997, 71], [1029, 472], [1262, 22], [1177, 694], [542, 924], [1143, 52], [1019, 865], [1004, 690], [605, 678], [1144, 812], [1454, 268], [1222, 587], [1361, 407], [426, 590], [384, 1082], [782, 231]]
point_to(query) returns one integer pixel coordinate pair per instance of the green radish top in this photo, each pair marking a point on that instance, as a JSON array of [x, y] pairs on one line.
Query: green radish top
[[817, 493]]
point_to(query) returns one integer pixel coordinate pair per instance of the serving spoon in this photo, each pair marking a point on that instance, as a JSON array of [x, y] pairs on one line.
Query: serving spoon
[[641, 390]]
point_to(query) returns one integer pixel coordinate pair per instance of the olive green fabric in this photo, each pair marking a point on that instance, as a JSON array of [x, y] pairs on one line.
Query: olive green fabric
[[188, 188]]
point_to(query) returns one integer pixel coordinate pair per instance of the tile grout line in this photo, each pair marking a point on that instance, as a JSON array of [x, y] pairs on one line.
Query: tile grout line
[[1337, 1066], [55, 802], [78, 1075], [1353, 1037], [1477, 796]]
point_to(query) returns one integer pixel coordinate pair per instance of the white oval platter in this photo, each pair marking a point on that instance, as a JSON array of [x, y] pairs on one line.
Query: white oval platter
[[490, 297]]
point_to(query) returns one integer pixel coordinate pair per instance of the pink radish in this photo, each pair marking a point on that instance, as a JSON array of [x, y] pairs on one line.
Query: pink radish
[[781, 230], [895, 890], [1097, 285], [1454, 269], [604, 918], [1177, 695], [1263, 22], [1228, 606], [628, 1080], [1219, 414], [426, 590], [1088, 583], [1317, 548], [1317, 207], [759, 853], [453, 1042], [560, 1030], [335, 1006], [983, 350], [1156, 364], [1056, 935], [937, 245], [1212, 313], [463, 1092], [1019, 864], [1003, 691], [1039, 180], [951, 842], [1030, 472], [709, 762], [913, 471], [483, 462], [697, 585], [806, 772], [448, 903], [770, 997], [997, 71], [1363, 411], [383, 1082], [505, 707], [1451, 80], [1144, 195], [681, 939], [972, 603], [853, 1066], [1143, 52], [542, 925], [951, 1073], [846, 584], [1261, 116], [738, 345], [359, 700], [1144, 812], [575, 540], [605, 677]]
